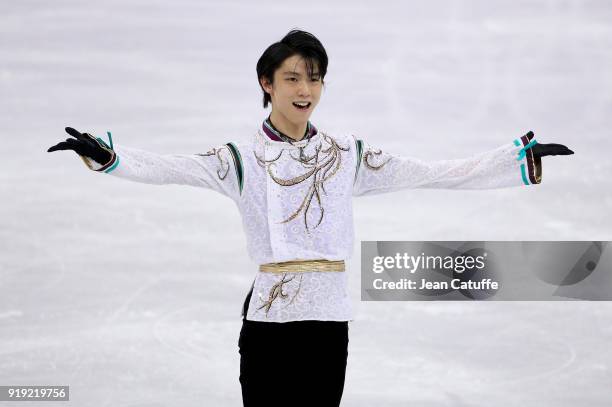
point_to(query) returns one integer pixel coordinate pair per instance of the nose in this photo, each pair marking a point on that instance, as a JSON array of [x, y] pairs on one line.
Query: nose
[[303, 88]]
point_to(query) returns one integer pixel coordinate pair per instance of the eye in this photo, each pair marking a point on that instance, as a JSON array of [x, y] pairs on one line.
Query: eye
[[292, 79], [315, 79]]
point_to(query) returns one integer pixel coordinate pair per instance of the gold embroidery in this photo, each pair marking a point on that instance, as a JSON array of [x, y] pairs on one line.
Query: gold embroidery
[[305, 160], [369, 154], [277, 291], [224, 164], [321, 166], [296, 292], [262, 163]]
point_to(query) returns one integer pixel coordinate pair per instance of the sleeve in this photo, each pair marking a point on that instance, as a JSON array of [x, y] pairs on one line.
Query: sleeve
[[219, 169], [511, 164]]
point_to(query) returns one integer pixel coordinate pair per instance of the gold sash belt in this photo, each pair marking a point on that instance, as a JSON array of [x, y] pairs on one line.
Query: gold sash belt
[[300, 266]]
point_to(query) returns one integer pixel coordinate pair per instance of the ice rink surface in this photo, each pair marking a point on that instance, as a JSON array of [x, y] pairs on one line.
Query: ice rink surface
[[131, 293]]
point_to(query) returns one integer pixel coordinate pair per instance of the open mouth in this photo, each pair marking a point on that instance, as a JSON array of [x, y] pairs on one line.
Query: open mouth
[[302, 105]]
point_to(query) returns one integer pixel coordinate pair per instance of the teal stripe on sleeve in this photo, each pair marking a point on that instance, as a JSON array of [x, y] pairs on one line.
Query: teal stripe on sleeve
[[237, 164], [359, 145]]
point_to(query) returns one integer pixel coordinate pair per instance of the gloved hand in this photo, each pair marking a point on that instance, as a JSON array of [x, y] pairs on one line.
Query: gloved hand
[[84, 144], [541, 150]]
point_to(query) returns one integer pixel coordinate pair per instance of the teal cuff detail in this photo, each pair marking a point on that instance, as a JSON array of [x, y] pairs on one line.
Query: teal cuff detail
[[523, 150], [516, 142], [110, 140], [112, 167], [524, 174]]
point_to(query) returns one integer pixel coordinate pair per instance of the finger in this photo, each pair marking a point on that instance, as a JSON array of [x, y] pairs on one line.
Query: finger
[[560, 146], [74, 133], [559, 149], [552, 150], [564, 151], [60, 146]]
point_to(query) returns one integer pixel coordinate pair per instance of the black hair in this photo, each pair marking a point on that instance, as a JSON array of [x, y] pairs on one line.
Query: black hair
[[296, 42]]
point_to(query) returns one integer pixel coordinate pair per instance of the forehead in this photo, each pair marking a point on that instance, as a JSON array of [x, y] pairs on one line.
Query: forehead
[[296, 64]]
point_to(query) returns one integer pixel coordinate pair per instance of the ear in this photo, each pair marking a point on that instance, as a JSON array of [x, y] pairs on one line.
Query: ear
[[265, 84]]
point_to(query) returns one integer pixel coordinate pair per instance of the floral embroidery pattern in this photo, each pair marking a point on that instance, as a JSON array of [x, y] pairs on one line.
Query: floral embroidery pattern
[[320, 167], [277, 291], [224, 164], [369, 154]]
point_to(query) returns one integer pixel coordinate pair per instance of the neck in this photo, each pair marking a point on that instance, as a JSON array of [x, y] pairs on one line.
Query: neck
[[292, 130]]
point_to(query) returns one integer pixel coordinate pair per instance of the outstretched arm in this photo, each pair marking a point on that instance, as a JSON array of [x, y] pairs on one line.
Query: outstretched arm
[[512, 164], [216, 169]]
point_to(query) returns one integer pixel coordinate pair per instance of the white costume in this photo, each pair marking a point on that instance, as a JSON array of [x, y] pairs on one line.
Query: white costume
[[295, 200]]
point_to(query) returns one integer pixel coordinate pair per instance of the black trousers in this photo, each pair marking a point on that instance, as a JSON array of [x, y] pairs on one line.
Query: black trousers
[[298, 363]]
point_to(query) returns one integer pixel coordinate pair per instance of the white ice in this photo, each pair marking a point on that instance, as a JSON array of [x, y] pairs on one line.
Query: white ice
[[142, 309]]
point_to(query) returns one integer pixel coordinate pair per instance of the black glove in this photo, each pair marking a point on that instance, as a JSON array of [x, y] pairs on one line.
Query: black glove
[[84, 144], [541, 150]]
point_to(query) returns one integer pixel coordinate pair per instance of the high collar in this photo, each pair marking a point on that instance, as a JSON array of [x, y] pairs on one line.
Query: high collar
[[274, 134]]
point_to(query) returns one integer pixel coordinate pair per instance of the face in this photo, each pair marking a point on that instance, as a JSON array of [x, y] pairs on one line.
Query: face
[[293, 87]]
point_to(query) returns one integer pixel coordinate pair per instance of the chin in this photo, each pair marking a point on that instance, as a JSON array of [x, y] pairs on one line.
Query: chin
[[300, 120], [304, 120]]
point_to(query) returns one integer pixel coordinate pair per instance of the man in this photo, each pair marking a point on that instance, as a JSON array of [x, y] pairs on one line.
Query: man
[[293, 186]]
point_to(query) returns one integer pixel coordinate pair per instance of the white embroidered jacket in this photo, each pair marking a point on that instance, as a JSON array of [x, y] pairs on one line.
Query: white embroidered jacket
[[295, 200]]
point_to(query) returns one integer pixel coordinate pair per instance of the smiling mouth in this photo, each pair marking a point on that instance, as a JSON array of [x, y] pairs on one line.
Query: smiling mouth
[[302, 106]]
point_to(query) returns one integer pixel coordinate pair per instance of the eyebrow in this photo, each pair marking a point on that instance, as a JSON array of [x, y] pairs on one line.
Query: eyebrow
[[297, 74]]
